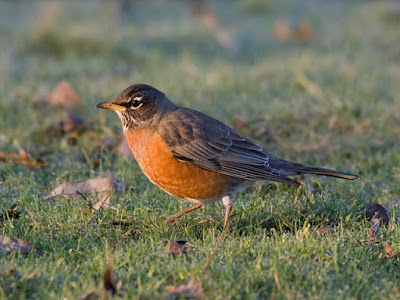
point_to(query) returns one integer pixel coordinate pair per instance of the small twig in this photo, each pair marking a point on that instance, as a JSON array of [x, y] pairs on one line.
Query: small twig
[[31, 216], [82, 195], [297, 194], [278, 284], [214, 251]]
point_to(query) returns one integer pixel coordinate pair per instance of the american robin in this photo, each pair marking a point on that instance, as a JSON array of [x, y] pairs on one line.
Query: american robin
[[193, 156]]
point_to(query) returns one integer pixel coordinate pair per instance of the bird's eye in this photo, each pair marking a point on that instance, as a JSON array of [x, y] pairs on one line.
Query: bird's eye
[[136, 102]]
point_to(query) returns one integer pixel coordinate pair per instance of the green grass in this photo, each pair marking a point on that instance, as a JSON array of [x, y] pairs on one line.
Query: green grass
[[272, 250]]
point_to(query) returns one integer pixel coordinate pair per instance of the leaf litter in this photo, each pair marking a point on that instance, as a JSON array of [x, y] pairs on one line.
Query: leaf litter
[[63, 95], [107, 288], [301, 32], [23, 158], [193, 289], [101, 186], [377, 211], [374, 230], [177, 248], [12, 244]]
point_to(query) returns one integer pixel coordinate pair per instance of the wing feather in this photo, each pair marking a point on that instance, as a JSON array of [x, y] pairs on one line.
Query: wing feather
[[207, 143]]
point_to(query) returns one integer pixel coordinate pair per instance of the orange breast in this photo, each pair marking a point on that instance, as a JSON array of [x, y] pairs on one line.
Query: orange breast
[[178, 178]]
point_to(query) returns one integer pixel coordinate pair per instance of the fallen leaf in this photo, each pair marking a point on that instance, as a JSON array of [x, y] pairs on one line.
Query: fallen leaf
[[96, 160], [63, 96], [177, 248], [23, 158], [103, 202], [324, 230], [377, 211], [123, 148], [239, 122], [108, 278], [282, 31], [191, 290], [107, 288], [388, 251], [12, 212], [99, 185], [205, 12], [11, 244], [208, 17], [70, 123], [302, 32], [373, 231]]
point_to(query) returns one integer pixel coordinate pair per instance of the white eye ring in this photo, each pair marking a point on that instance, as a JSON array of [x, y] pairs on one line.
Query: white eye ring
[[136, 100], [136, 107]]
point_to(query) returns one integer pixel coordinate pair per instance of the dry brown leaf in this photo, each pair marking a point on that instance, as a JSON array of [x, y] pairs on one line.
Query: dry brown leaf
[[388, 251], [108, 278], [208, 17], [192, 290], [325, 230], [123, 148], [63, 96], [103, 202], [96, 160], [99, 185], [11, 244], [373, 231], [377, 211], [282, 31], [70, 123], [23, 158], [106, 289], [239, 122], [177, 248], [302, 32]]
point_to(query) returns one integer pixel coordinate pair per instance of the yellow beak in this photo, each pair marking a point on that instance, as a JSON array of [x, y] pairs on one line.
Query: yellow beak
[[111, 105]]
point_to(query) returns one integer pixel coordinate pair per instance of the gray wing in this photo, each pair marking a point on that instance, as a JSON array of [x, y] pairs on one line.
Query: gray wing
[[209, 144]]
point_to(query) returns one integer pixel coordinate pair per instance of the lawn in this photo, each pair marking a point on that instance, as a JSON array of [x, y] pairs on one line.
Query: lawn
[[315, 82]]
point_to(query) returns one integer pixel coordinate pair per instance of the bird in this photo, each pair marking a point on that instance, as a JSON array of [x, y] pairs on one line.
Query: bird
[[194, 156]]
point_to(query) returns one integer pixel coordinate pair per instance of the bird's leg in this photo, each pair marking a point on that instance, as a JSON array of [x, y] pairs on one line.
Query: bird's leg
[[172, 219], [228, 203]]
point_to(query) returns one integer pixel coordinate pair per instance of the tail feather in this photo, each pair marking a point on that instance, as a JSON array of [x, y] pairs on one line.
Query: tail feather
[[289, 168], [327, 172]]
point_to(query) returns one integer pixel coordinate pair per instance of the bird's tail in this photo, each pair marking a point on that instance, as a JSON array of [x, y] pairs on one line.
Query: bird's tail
[[294, 168], [326, 172]]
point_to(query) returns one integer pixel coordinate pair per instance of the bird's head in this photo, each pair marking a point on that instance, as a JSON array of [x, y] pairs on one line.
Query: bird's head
[[139, 106]]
